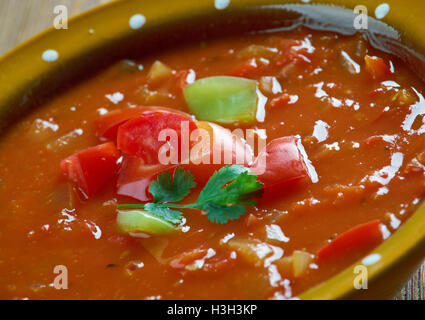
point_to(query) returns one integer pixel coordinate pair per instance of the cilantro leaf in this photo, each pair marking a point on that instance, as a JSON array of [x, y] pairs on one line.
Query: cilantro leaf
[[167, 190], [167, 214], [227, 194], [221, 214], [244, 184], [224, 198]]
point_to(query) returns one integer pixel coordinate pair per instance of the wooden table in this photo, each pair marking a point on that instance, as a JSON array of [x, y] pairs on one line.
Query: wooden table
[[21, 19]]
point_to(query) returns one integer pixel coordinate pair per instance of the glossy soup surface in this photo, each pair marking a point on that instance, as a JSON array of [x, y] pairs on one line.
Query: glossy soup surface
[[361, 131]]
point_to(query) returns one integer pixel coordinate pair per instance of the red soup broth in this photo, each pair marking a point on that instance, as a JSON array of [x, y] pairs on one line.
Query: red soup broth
[[356, 110]]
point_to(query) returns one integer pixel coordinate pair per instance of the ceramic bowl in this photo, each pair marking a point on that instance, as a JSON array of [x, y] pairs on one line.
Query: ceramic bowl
[[55, 59]]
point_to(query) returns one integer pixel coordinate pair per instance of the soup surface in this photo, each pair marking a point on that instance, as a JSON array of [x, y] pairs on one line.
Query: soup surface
[[343, 123]]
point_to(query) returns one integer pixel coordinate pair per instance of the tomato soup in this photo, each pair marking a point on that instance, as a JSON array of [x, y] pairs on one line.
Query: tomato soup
[[336, 166]]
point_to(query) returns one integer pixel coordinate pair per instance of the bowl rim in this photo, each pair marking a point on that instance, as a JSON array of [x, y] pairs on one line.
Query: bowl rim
[[392, 252]]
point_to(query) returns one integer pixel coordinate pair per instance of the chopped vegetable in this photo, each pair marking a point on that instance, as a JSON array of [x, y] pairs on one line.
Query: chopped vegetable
[[344, 194], [251, 250], [404, 97], [150, 96], [61, 197], [186, 258], [92, 169], [106, 126], [156, 247], [185, 77], [280, 101], [141, 136], [257, 51], [224, 198], [127, 66], [285, 266], [136, 221], [246, 69], [295, 265], [165, 190], [377, 67], [223, 99], [355, 241], [218, 147], [289, 70], [200, 260], [281, 163], [135, 176], [301, 261], [159, 72], [270, 86], [293, 51]]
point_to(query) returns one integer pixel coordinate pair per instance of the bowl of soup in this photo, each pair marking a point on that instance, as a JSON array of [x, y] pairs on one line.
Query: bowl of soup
[[214, 150]]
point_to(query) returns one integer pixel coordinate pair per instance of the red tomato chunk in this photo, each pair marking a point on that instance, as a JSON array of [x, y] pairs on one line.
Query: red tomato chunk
[[92, 169], [141, 136], [359, 239], [280, 164]]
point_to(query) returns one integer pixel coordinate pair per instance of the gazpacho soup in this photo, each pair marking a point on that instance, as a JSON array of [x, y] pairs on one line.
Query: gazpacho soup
[[251, 167]]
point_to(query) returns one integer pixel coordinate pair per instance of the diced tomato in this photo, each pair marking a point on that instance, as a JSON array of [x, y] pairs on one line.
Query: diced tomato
[[135, 177], [106, 127], [185, 258], [187, 261], [140, 136], [92, 169], [352, 243], [284, 58], [185, 77], [291, 50], [280, 163], [280, 101], [245, 69], [217, 147], [377, 67]]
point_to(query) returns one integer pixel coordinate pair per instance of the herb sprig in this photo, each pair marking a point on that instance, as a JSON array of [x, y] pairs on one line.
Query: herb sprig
[[224, 198]]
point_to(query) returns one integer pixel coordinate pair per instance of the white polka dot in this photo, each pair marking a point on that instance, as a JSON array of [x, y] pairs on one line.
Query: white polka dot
[[371, 259], [221, 4], [137, 21], [50, 55], [382, 10]]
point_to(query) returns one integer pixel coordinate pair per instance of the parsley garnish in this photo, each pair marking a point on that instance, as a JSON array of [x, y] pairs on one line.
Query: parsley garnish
[[167, 190], [224, 198]]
